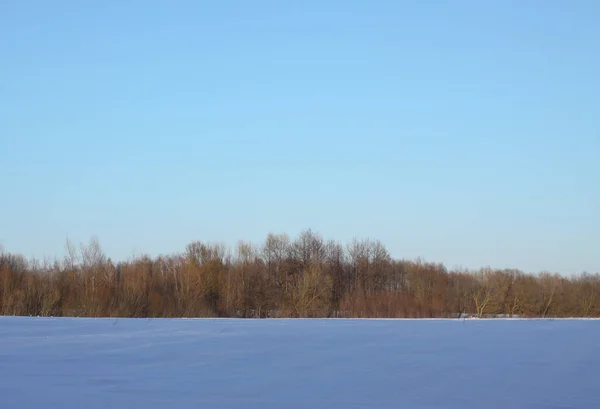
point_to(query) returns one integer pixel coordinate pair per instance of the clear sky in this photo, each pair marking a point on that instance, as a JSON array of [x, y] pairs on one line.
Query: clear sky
[[466, 132]]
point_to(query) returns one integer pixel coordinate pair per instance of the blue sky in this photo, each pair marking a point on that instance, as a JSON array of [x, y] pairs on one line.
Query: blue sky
[[465, 132]]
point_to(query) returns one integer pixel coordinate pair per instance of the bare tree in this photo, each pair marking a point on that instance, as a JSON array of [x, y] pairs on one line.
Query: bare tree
[[309, 277], [588, 293], [483, 292], [548, 287]]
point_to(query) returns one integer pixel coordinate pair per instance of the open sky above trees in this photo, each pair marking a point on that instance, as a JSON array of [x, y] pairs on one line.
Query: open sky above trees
[[460, 132]]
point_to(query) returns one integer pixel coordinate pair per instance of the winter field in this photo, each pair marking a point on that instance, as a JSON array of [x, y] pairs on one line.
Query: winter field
[[63, 363]]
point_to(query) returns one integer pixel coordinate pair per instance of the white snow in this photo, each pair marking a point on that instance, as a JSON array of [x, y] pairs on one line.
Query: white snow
[[63, 363]]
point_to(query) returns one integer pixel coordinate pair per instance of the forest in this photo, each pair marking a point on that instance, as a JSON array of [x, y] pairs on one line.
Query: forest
[[303, 277]]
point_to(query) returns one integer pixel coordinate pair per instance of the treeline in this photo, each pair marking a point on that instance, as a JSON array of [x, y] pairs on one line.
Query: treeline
[[304, 277]]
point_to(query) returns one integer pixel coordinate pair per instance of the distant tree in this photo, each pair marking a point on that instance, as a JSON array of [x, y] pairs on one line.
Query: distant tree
[[304, 277], [483, 292]]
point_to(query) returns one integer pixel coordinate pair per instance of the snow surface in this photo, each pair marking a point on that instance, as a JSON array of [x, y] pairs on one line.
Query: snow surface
[[64, 363]]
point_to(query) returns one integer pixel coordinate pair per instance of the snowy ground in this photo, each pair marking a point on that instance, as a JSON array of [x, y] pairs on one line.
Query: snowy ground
[[62, 363]]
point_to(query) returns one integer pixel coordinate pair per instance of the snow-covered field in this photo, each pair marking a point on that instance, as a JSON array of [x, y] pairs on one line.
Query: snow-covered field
[[76, 363]]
